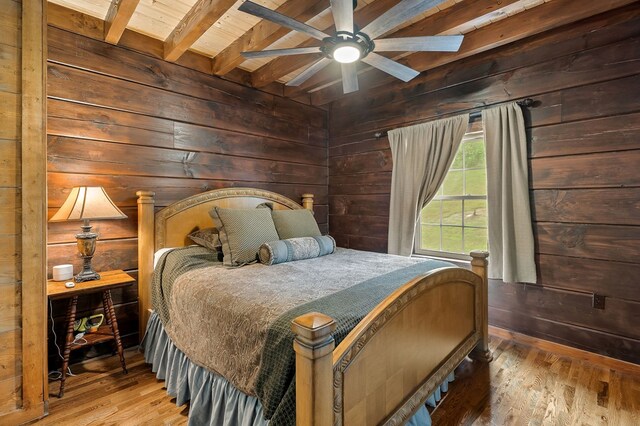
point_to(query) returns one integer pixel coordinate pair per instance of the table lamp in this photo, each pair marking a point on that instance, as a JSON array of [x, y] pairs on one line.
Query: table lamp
[[86, 203]]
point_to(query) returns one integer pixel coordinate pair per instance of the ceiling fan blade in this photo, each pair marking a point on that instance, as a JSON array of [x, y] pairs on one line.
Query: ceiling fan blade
[[273, 16], [393, 68], [349, 77], [342, 11], [309, 72], [399, 13], [280, 52], [420, 44]]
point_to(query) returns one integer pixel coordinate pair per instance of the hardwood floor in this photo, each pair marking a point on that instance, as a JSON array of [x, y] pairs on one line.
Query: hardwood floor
[[524, 385], [100, 394]]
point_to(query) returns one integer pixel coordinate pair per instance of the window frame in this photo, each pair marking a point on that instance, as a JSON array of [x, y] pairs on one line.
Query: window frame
[[469, 136]]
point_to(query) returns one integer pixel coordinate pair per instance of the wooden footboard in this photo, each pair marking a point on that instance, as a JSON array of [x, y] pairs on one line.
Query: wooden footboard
[[386, 368]]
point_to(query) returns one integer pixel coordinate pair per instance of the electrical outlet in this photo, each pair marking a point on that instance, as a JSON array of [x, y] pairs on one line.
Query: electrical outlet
[[597, 302]]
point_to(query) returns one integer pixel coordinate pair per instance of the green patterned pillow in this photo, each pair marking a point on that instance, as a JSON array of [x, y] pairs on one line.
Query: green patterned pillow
[[295, 224], [207, 237], [242, 232]]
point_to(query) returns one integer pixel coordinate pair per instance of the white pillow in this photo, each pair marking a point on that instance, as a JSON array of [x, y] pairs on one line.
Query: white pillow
[[158, 255]]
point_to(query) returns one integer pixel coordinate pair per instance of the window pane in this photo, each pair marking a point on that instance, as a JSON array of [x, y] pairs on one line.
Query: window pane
[[474, 154], [475, 213], [475, 239], [452, 212], [452, 239], [453, 183], [430, 237], [431, 213], [476, 182], [453, 222], [457, 161]]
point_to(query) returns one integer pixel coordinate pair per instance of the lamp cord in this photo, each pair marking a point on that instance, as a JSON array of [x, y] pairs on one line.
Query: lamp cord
[[56, 374]]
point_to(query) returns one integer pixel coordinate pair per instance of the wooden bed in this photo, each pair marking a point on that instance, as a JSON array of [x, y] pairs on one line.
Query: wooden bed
[[389, 364]]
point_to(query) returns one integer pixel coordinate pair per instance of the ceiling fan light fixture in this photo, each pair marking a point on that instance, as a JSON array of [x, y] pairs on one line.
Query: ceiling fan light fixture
[[346, 47], [347, 52]]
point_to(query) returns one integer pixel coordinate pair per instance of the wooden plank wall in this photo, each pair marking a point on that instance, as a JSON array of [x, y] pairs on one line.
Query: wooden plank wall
[[127, 121], [584, 162], [10, 206]]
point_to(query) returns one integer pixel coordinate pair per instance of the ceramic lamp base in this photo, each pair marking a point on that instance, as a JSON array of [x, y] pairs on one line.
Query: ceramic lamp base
[[89, 275]]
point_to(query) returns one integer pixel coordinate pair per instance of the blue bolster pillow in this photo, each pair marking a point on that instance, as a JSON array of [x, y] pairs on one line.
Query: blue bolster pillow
[[281, 251]]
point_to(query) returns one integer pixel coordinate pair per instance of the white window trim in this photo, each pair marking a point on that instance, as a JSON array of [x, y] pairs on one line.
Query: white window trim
[[465, 262]]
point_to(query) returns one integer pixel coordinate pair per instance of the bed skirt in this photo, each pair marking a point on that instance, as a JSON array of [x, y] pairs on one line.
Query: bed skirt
[[213, 400]]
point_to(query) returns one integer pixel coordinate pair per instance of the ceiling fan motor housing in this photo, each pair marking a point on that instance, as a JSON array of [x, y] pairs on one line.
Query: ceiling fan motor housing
[[342, 38]]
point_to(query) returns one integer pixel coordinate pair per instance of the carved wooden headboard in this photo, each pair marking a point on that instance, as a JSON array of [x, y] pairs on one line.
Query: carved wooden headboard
[[171, 226]]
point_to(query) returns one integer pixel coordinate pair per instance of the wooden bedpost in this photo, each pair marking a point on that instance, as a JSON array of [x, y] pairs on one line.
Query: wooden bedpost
[[479, 265], [146, 248], [307, 201], [314, 369]]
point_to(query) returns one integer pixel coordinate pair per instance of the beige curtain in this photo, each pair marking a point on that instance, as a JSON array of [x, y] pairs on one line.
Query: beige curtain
[[422, 155], [511, 244]]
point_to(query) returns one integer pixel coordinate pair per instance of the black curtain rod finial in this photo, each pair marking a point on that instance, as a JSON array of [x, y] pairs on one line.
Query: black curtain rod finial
[[525, 102]]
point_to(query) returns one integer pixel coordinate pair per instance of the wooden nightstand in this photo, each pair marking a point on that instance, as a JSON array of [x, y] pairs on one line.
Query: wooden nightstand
[[108, 281]]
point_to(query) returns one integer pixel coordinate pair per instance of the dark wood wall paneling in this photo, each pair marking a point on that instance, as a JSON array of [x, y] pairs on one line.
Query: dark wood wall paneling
[[127, 121], [584, 180]]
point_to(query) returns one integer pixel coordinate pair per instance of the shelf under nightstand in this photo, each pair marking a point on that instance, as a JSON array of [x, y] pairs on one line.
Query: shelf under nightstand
[[108, 280]]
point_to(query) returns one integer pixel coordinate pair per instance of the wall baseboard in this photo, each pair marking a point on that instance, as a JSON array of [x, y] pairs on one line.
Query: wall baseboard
[[564, 350], [25, 416]]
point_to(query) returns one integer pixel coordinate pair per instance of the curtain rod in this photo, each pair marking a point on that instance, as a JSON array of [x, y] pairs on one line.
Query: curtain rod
[[525, 103]]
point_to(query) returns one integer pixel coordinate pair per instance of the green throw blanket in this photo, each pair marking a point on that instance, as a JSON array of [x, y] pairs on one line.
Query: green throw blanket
[[170, 266], [276, 380]]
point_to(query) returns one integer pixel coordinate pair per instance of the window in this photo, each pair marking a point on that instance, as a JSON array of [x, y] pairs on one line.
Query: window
[[455, 221]]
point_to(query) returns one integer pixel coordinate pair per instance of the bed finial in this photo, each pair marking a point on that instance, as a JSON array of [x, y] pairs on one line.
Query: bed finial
[[314, 346], [307, 201], [480, 265], [146, 247]]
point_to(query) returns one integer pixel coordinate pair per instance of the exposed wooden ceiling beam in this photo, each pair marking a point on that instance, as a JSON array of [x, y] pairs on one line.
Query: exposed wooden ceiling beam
[[439, 23], [196, 22], [264, 33], [527, 23], [92, 27], [282, 66], [117, 18]]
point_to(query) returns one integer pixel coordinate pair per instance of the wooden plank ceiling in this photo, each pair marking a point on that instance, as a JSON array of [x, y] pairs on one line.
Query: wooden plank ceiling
[[216, 29]]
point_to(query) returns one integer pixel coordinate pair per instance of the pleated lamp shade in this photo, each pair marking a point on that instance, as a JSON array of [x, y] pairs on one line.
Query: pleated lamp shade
[[87, 203]]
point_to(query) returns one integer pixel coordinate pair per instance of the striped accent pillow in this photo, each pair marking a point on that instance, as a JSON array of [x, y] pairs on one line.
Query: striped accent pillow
[[282, 251]]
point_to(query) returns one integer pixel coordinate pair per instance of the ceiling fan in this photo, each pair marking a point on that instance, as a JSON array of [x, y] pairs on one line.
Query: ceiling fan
[[349, 44]]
